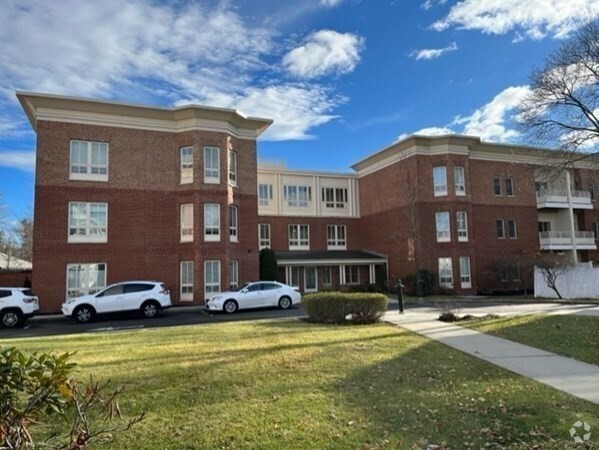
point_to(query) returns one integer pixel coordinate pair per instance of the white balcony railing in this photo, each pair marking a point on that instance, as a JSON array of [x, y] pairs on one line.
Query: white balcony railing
[[562, 240], [558, 198]]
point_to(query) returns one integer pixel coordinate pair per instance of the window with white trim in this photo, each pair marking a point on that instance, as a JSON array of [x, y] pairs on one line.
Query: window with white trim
[[232, 168], [509, 186], [352, 274], [84, 279], [442, 225], [499, 226], [297, 196], [186, 164], [497, 186], [445, 272], [299, 237], [264, 235], [336, 237], [88, 222], [186, 293], [292, 275], [211, 222], [440, 180], [511, 229], [462, 226], [211, 165], [465, 279], [88, 161], [459, 180], [233, 223], [234, 275], [264, 194], [334, 197], [187, 222], [326, 278], [211, 278]]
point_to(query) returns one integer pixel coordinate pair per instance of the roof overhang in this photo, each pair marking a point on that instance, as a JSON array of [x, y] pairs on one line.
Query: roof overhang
[[329, 258]]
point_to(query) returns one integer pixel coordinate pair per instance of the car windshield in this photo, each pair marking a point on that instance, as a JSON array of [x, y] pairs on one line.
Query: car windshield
[[243, 286]]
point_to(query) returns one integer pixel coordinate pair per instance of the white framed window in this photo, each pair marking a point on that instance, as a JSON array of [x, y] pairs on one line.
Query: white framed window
[[211, 165], [186, 164], [445, 272], [264, 235], [186, 283], [499, 226], [336, 237], [88, 222], [211, 222], [88, 161], [299, 237], [187, 222], [211, 278], [459, 180], [509, 186], [292, 274], [465, 279], [84, 279], [442, 225], [233, 223], [264, 194], [234, 275], [497, 186], [351, 275], [326, 276], [232, 168], [334, 197], [462, 226], [440, 180], [297, 196], [511, 229]]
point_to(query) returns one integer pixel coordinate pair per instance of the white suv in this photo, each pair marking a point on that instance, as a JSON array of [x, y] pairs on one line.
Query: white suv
[[149, 297], [16, 306]]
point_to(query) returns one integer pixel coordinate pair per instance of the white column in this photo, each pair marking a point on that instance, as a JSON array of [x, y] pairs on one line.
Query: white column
[[371, 273], [571, 215], [341, 274]]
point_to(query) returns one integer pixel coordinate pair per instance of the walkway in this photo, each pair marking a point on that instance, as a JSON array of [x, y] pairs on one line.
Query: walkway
[[566, 374]]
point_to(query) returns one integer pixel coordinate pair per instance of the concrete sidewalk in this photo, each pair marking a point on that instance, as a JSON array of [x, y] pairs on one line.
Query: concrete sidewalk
[[566, 374]]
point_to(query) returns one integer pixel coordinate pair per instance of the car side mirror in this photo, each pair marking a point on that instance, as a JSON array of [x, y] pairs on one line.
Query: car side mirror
[[244, 291]]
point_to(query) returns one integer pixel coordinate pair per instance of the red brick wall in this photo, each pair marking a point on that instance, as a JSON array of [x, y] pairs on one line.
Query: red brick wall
[[14, 278]]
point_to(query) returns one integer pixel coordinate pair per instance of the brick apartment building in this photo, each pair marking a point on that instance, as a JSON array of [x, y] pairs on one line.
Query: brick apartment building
[[134, 192]]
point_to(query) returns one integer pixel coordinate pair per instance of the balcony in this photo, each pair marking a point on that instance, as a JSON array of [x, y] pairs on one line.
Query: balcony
[[562, 240], [557, 198]]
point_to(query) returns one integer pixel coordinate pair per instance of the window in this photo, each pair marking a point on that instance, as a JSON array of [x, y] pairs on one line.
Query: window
[[89, 161], [442, 223], [211, 165], [186, 154], [326, 278], [233, 223], [352, 275], [234, 275], [462, 225], [540, 186], [336, 237], [440, 180], [232, 168], [299, 237], [544, 226], [458, 178], [186, 280], [297, 196], [211, 222], [292, 276], [509, 186], [84, 279], [334, 197], [497, 185], [211, 278], [187, 222], [88, 222], [511, 229], [264, 194], [445, 272], [264, 235], [500, 229], [592, 191], [465, 280]]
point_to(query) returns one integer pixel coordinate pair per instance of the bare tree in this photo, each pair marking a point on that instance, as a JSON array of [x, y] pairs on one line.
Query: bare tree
[[552, 266], [25, 235]]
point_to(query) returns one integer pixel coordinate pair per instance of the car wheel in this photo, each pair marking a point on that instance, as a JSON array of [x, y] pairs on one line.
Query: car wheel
[[150, 309], [10, 318], [84, 313], [285, 303], [230, 306]]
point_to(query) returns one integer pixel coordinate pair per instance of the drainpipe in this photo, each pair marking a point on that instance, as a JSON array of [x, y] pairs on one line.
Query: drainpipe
[[571, 215]]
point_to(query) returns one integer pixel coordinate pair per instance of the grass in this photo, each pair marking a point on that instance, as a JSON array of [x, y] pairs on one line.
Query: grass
[[293, 385], [573, 336]]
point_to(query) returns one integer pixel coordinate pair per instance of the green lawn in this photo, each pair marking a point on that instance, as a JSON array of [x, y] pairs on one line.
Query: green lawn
[[574, 336], [292, 385]]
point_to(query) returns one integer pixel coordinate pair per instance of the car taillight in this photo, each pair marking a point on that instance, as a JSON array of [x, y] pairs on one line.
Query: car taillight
[[165, 292], [296, 289], [29, 299]]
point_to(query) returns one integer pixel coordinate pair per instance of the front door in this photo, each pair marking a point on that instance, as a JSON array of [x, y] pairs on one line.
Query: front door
[[310, 279]]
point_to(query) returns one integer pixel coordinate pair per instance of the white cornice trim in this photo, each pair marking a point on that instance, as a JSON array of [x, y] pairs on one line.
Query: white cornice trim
[[324, 261]]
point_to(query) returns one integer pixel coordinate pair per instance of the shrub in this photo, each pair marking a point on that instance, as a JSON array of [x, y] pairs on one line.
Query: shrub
[[268, 265], [427, 280], [341, 307], [367, 287]]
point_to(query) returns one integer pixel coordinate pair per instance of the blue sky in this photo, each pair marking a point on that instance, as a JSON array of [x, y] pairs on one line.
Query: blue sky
[[340, 78]]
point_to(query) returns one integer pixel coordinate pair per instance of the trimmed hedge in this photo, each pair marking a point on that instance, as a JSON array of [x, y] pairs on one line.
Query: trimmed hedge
[[345, 307]]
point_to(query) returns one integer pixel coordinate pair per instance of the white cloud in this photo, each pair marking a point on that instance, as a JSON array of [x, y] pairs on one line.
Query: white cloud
[[330, 3], [432, 53], [533, 18], [430, 131], [428, 4], [324, 52], [19, 159]]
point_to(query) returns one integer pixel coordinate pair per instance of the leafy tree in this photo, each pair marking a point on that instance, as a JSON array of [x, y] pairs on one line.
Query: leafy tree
[[268, 265]]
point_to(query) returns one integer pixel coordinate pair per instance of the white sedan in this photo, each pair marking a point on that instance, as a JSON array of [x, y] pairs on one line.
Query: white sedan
[[255, 295]]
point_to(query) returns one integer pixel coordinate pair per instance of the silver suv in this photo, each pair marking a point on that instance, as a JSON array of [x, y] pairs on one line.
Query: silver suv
[[16, 306]]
